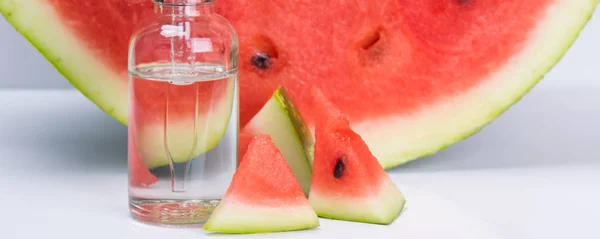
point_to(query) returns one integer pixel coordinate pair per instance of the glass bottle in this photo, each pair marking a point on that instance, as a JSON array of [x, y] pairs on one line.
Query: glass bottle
[[183, 112]]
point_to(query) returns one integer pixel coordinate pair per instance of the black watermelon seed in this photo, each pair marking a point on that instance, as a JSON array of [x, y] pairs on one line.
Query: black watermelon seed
[[261, 61], [338, 172]]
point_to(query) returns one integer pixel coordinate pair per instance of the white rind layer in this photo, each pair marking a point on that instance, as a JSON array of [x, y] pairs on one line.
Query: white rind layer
[[381, 208], [232, 216], [273, 120]]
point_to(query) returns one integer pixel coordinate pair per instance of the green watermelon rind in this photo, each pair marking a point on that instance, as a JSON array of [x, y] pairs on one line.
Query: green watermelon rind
[[381, 209], [232, 228], [298, 122], [397, 159], [255, 231], [365, 219]]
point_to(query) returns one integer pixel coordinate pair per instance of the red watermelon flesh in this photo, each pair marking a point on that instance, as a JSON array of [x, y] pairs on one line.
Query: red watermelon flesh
[[348, 183], [264, 195], [412, 76], [139, 175]]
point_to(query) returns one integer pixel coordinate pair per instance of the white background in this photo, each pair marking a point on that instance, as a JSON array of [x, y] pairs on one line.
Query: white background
[[532, 173]]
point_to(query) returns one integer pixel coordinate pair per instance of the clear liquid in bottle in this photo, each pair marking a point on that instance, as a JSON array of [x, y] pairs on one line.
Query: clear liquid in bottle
[[183, 113]]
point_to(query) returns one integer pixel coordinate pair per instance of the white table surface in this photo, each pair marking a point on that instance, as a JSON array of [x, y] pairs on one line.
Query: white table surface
[[532, 173]]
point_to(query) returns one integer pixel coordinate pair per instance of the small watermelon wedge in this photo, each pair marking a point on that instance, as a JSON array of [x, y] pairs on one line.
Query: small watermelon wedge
[[263, 196], [273, 120], [348, 183]]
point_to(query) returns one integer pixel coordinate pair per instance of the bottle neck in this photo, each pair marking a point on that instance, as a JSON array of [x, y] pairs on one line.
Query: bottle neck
[[184, 7]]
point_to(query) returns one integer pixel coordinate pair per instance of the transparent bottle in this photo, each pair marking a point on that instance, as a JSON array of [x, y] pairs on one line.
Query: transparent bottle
[[183, 112]]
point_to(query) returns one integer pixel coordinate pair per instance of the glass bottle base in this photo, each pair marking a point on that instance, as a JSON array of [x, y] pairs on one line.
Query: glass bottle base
[[168, 212]]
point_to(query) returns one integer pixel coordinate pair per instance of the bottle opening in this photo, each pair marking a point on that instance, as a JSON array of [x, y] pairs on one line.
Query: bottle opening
[[182, 2]]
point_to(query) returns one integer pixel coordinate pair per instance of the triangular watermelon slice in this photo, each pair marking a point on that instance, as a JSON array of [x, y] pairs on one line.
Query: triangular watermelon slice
[[274, 120], [263, 196], [412, 76], [348, 183]]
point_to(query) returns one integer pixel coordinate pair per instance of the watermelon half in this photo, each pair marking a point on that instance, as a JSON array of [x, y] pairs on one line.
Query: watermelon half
[[411, 76]]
